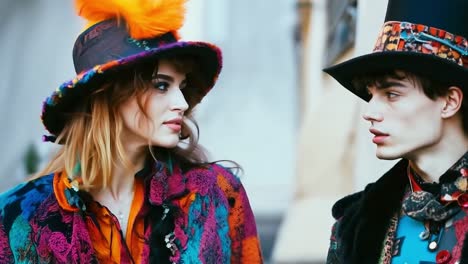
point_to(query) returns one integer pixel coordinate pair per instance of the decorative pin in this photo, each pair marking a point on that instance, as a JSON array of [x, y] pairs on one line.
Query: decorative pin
[[434, 243], [433, 246], [169, 239], [424, 235], [443, 257], [166, 211]]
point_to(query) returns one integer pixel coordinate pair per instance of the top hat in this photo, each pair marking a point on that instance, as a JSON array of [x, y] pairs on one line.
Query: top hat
[[424, 37], [124, 35]]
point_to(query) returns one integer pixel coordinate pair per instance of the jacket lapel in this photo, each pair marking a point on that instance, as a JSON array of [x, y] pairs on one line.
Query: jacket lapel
[[365, 223]]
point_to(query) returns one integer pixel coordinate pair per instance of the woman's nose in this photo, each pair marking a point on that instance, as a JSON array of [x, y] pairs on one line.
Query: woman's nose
[[179, 102]]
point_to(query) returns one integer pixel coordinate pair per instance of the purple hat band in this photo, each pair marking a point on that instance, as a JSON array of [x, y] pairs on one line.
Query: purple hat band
[[109, 41]]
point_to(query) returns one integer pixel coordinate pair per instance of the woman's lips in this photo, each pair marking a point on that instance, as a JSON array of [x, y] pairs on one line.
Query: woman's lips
[[174, 124], [174, 127]]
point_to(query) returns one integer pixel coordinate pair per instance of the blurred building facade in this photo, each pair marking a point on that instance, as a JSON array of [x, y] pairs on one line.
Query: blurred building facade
[[335, 155]]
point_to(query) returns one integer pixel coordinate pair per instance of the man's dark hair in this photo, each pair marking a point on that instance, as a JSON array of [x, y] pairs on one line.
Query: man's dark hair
[[431, 88]]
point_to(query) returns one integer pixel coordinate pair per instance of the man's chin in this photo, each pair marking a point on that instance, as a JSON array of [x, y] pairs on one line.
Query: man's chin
[[383, 155]]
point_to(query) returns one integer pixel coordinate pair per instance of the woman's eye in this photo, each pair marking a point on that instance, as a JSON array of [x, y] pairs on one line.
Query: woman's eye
[[161, 86]]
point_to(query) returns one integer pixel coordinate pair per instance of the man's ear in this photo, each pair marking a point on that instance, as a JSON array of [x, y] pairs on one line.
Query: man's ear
[[453, 101]]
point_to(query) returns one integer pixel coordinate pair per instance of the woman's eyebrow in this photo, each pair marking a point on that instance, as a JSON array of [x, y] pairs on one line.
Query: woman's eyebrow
[[163, 76]]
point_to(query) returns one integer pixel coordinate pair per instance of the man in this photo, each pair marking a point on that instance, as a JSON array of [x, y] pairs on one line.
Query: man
[[414, 82]]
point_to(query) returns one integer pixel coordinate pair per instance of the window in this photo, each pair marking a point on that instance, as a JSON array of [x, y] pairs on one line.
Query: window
[[341, 31]]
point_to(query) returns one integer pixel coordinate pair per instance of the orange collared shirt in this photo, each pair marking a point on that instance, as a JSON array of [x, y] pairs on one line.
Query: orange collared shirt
[[104, 229]]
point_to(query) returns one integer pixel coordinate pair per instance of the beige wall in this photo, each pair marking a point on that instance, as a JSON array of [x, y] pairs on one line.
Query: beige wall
[[335, 154]]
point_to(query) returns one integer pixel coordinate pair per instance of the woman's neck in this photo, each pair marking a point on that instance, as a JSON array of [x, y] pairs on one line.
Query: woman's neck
[[122, 180]]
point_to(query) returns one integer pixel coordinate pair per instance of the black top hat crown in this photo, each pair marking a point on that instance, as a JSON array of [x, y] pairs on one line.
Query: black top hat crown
[[448, 15]]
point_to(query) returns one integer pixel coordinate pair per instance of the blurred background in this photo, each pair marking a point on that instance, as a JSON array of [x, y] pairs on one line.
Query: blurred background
[[296, 132]]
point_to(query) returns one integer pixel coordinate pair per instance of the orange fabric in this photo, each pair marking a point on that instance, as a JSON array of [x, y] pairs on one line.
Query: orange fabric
[[186, 201], [250, 252], [60, 184], [111, 233], [105, 235], [136, 226]]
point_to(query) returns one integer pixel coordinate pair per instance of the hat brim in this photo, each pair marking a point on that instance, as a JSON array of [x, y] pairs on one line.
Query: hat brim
[[429, 66], [65, 98]]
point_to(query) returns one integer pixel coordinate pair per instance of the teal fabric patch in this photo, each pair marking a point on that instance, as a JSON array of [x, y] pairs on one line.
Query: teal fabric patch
[[20, 242], [409, 248], [194, 230], [223, 231]]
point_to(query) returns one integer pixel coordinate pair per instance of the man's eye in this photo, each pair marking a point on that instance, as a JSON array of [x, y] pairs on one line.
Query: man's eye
[[391, 95]]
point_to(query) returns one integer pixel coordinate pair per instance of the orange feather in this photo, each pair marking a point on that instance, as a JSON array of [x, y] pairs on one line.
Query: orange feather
[[144, 18]]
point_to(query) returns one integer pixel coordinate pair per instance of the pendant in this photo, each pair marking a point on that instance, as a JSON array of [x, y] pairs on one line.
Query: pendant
[[120, 216]]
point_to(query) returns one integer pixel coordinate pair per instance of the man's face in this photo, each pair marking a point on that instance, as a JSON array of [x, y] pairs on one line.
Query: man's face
[[405, 122]]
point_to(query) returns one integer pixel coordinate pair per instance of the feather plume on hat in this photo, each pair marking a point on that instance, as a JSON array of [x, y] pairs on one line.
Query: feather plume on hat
[[144, 18]]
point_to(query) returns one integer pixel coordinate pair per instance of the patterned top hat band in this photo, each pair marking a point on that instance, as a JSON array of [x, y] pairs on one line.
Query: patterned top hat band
[[108, 41], [408, 37]]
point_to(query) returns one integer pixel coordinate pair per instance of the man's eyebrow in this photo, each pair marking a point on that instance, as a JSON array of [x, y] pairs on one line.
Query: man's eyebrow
[[387, 84]]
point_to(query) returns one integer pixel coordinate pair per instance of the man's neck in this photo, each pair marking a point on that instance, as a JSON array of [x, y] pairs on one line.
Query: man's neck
[[433, 163]]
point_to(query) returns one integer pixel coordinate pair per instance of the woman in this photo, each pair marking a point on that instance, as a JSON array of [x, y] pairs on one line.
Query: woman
[[130, 184]]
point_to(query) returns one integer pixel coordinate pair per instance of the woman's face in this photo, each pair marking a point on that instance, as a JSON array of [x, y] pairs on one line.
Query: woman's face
[[165, 106]]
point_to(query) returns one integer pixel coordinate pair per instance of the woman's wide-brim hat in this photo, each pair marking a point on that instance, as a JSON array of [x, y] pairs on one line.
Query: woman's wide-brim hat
[[424, 37], [124, 37]]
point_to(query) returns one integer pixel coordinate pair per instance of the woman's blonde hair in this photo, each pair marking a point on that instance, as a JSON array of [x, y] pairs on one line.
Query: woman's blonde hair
[[91, 138]]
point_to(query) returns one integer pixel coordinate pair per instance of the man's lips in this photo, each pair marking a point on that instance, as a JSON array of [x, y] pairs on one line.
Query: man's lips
[[379, 137]]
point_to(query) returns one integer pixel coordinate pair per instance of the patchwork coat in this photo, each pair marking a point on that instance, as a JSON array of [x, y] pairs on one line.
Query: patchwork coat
[[217, 224]]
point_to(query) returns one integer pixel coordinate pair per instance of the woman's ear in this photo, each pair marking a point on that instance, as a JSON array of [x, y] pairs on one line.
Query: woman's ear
[[453, 101]]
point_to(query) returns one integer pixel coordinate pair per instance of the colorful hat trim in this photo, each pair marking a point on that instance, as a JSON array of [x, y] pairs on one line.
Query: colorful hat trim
[[408, 37]]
